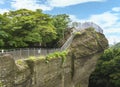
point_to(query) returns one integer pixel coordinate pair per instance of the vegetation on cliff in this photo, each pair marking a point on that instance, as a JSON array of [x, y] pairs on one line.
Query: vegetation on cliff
[[62, 54], [107, 72]]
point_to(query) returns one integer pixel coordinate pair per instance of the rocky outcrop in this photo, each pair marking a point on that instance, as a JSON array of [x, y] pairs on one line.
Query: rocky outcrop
[[7, 71], [85, 50], [74, 71]]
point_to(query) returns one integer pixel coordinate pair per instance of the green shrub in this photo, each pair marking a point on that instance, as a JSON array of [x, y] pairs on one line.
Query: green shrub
[[62, 55], [107, 72]]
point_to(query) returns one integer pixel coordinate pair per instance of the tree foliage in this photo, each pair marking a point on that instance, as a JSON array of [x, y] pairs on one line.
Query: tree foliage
[[24, 27], [61, 23], [4, 28], [117, 45], [107, 72]]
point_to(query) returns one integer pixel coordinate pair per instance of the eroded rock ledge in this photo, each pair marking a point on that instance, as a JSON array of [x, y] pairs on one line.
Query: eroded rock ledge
[[83, 54]]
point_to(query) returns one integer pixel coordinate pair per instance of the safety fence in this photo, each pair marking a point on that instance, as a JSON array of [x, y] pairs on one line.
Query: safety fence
[[22, 53], [27, 52]]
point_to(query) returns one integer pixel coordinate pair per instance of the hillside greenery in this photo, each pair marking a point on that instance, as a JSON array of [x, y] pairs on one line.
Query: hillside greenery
[[107, 72], [24, 28], [117, 45]]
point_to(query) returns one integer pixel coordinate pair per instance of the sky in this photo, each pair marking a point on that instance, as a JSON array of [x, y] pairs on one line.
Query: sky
[[105, 13]]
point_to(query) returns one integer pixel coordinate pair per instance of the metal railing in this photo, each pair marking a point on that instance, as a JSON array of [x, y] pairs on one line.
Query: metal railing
[[81, 26], [69, 41], [27, 52], [22, 53]]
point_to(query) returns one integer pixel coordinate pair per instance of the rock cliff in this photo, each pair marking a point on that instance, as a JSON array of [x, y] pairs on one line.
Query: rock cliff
[[74, 71], [85, 50]]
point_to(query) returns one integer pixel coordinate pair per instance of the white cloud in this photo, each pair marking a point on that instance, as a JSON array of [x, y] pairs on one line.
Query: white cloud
[[113, 39], [73, 18], [63, 3], [48, 5], [110, 23], [113, 30], [29, 4], [3, 10], [106, 19], [116, 9]]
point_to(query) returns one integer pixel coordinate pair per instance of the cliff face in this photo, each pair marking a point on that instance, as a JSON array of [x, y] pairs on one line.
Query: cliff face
[[85, 50], [83, 54]]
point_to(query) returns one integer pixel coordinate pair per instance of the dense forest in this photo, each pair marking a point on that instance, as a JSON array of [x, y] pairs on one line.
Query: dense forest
[[26, 28], [107, 72]]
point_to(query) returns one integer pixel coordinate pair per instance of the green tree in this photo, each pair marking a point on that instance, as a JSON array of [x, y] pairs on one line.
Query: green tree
[[29, 27], [4, 26], [107, 72], [61, 22], [24, 27], [117, 45]]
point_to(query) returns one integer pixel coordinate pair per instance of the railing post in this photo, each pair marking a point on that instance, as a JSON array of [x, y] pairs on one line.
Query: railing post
[[20, 53], [14, 53], [34, 52], [39, 51], [2, 51], [28, 52]]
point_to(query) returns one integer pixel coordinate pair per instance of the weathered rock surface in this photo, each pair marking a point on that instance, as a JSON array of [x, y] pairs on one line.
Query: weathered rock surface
[[7, 71], [85, 51], [83, 54]]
